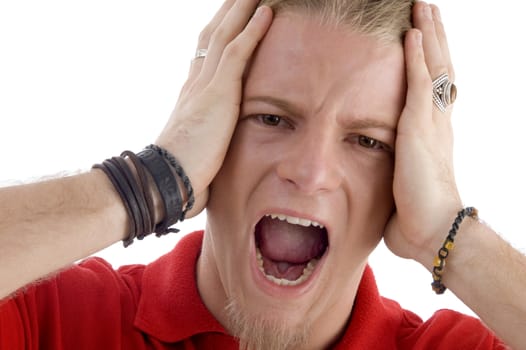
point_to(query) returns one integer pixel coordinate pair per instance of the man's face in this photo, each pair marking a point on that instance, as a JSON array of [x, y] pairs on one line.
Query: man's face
[[314, 146]]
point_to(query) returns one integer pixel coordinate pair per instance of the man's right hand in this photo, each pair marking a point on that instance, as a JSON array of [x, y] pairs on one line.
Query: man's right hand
[[200, 128], [48, 225]]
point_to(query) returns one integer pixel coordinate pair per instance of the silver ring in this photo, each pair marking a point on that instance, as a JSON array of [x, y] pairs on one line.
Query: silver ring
[[444, 92], [200, 53]]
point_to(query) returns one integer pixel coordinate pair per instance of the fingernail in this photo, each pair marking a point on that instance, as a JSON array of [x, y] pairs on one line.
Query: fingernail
[[259, 11], [427, 12]]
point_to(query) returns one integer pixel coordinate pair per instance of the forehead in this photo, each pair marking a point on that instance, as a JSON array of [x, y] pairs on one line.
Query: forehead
[[318, 66]]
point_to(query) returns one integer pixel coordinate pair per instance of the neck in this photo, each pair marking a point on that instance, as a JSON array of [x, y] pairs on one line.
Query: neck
[[326, 329]]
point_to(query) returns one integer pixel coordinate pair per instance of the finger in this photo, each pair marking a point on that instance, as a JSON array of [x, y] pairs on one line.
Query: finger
[[423, 19], [230, 27], [239, 51], [204, 37], [442, 40], [417, 111], [435, 61]]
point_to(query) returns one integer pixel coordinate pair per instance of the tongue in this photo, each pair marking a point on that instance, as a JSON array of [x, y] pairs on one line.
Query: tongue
[[280, 241], [283, 270]]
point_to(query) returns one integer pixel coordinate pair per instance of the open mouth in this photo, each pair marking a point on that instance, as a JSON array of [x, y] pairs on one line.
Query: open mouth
[[289, 248]]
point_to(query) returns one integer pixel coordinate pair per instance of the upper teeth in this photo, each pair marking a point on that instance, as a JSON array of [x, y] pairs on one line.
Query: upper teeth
[[296, 221]]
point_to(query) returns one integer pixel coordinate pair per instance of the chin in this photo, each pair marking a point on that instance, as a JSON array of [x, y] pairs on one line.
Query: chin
[[267, 329], [286, 259]]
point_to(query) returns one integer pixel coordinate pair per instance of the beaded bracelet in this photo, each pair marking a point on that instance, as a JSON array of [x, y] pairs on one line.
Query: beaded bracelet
[[440, 260]]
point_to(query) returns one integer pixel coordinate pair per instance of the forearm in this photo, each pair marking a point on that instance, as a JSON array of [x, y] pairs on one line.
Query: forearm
[[48, 225], [489, 276]]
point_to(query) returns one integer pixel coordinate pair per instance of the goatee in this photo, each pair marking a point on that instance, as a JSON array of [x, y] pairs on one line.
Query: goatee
[[261, 332]]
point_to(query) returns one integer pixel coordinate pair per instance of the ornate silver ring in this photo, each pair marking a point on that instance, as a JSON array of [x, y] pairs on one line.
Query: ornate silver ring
[[444, 92]]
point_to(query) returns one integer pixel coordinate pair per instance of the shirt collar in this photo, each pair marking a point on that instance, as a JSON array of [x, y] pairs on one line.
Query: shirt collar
[[374, 319], [170, 307]]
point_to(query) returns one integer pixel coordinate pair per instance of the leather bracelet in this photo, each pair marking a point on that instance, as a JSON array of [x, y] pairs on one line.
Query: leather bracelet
[[167, 186], [144, 216], [145, 188], [123, 182], [181, 173], [119, 183]]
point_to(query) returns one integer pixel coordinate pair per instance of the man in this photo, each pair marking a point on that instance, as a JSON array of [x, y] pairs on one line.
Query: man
[[300, 133]]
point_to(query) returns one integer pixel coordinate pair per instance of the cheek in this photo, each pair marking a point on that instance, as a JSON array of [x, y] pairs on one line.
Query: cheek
[[371, 177], [227, 210], [371, 196], [382, 184], [238, 173]]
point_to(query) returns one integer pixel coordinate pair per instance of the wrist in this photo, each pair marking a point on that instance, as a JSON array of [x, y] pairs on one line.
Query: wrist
[[439, 262], [425, 250], [149, 184]]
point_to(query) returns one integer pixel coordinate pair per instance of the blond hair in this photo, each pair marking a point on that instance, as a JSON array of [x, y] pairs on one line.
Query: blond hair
[[387, 20]]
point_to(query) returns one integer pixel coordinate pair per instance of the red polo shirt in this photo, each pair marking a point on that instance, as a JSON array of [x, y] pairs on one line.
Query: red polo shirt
[[91, 306]]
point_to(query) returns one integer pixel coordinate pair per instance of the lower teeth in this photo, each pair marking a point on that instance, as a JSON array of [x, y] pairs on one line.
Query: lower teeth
[[307, 271]]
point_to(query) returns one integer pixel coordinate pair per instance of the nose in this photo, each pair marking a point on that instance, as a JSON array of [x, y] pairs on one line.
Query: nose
[[311, 164]]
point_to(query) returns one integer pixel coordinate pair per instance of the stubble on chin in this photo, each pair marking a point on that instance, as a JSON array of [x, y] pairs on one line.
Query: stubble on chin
[[259, 332]]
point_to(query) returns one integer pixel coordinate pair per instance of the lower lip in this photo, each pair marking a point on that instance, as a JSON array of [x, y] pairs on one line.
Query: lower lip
[[275, 290]]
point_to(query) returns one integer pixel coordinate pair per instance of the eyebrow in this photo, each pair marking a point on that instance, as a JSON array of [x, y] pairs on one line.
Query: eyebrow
[[278, 102], [355, 123], [369, 123]]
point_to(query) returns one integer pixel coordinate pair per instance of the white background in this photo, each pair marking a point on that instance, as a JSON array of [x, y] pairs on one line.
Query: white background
[[81, 81]]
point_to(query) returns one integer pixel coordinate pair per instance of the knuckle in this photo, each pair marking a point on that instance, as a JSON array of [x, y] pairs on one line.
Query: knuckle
[[188, 87], [214, 93], [219, 35], [204, 36], [233, 49]]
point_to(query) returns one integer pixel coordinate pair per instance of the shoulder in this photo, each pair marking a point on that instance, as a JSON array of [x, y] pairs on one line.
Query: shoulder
[[446, 329], [94, 276], [86, 302]]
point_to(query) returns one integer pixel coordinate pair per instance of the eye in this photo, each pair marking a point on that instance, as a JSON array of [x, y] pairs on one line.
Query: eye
[[373, 144], [270, 119], [368, 142], [273, 120]]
